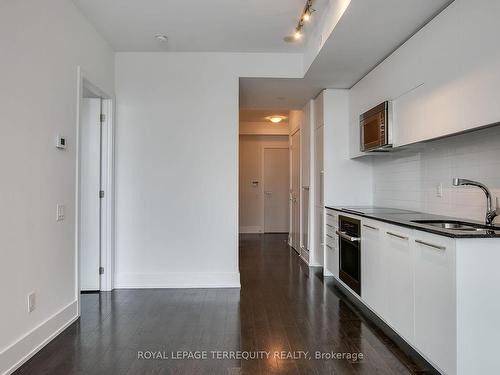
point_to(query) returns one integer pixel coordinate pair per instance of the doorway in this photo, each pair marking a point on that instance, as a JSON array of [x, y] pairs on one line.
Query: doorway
[[90, 193], [95, 188], [276, 184]]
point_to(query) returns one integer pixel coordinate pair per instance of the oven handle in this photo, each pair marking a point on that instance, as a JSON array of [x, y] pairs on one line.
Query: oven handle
[[345, 236]]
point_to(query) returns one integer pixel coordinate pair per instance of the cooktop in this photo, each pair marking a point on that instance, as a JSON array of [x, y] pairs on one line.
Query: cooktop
[[370, 210]]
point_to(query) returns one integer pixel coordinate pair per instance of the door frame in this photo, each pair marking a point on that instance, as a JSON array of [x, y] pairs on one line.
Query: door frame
[[107, 183], [270, 145], [299, 194]]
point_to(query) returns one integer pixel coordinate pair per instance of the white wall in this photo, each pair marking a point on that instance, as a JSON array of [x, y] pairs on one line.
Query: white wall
[[177, 165], [250, 169], [263, 128], [42, 43], [409, 179]]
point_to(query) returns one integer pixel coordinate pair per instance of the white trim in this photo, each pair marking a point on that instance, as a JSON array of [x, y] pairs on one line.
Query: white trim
[[252, 229], [107, 253], [33, 341], [177, 280]]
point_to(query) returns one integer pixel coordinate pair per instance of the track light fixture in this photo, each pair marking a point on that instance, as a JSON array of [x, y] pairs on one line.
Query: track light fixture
[[304, 17]]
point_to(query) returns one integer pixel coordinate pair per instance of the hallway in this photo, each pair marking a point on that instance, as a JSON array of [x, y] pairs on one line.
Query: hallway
[[281, 307]]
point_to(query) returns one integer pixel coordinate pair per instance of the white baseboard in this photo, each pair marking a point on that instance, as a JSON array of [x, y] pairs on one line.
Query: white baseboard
[[252, 229], [177, 280], [14, 355], [326, 272]]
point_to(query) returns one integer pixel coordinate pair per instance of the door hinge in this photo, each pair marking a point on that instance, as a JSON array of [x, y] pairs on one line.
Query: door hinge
[[103, 117], [101, 270], [101, 193]]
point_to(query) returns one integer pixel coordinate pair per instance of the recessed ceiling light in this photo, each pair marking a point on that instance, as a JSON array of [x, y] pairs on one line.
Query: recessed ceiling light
[[276, 119], [161, 37]]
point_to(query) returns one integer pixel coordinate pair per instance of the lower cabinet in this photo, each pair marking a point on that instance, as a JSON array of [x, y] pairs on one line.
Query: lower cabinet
[[435, 300], [387, 274], [373, 267], [399, 273], [408, 280], [331, 245]]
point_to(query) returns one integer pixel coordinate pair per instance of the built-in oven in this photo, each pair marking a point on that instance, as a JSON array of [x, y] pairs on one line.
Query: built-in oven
[[350, 252], [376, 128]]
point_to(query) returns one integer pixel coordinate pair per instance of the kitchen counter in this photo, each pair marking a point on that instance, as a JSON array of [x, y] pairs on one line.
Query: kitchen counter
[[405, 218]]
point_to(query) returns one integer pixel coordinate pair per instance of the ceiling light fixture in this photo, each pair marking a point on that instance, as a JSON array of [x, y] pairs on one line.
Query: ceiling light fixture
[[161, 37], [276, 119], [304, 17]]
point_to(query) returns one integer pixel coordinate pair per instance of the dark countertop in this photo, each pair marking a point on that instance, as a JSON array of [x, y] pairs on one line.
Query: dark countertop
[[405, 218]]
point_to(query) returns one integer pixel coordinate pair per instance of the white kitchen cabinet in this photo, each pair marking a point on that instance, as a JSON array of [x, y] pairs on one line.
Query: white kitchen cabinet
[[399, 283], [436, 292], [438, 86], [331, 244], [435, 299], [373, 266]]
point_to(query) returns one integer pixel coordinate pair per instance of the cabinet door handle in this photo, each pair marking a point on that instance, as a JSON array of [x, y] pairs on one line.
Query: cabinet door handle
[[369, 226], [345, 236], [397, 235], [328, 246], [431, 245], [329, 236]]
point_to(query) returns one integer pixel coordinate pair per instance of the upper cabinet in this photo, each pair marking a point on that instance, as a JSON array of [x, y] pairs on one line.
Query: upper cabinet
[[442, 81]]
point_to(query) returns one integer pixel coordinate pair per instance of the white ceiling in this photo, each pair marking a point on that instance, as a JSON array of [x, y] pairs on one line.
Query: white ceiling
[[197, 25], [368, 31]]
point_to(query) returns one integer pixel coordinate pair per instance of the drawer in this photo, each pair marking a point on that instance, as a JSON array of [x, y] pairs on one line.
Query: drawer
[[332, 218], [331, 248], [330, 229], [332, 240]]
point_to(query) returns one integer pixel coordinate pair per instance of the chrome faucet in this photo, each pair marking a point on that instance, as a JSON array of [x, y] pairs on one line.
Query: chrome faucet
[[491, 212]]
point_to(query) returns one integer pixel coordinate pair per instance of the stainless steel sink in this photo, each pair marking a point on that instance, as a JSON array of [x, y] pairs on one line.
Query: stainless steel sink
[[456, 225]]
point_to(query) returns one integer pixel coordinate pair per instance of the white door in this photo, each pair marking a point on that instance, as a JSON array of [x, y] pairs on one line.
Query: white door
[[89, 187], [276, 189], [295, 191]]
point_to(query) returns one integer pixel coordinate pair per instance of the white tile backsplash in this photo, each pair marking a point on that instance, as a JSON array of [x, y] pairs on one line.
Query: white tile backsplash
[[409, 179]]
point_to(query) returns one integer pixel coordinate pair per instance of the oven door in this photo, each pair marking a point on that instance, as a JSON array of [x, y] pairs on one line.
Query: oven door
[[373, 132], [350, 261]]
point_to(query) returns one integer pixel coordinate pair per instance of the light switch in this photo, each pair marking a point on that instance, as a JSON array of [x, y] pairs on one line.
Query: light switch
[[31, 302], [439, 190], [60, 212]]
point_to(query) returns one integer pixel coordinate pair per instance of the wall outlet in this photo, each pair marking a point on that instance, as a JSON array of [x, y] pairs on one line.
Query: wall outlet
[[439, 190], [61, 142], [60, 208], [31, 302]]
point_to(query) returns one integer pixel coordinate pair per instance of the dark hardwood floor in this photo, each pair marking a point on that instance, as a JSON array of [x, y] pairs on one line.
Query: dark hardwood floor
[[282, 306]]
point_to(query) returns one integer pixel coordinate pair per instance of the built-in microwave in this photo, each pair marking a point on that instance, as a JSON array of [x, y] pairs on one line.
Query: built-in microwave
[[376, 128]]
